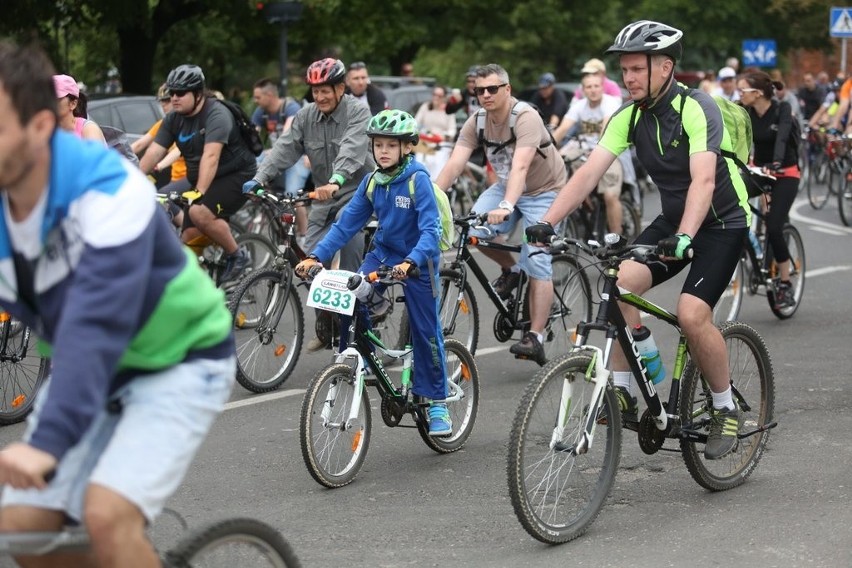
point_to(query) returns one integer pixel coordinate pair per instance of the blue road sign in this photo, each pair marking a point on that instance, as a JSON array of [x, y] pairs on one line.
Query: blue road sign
[[760, 53], [840, 22]]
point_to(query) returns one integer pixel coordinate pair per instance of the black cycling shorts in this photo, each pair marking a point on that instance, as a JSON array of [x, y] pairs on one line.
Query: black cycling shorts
[[715, 256], [224, 197]]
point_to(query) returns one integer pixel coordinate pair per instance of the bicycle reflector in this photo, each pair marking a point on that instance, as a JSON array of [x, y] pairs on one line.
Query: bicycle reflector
[[288, 218]]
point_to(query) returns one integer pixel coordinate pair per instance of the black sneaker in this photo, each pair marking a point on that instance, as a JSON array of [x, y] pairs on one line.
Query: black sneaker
[[235, 264], [724, 427], [627, 404], [784, 295], [506, 283], [529, 348]]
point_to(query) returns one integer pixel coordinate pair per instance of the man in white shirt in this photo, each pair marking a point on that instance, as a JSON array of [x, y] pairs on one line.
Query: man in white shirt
[[591, 114], [727, 84]]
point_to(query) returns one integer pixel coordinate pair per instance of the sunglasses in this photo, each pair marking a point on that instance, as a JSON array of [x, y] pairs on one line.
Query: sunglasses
[[175, 93], [357, 65], [492, 89]]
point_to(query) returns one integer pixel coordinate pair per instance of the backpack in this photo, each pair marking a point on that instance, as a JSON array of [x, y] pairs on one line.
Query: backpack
[[117, 140], [249, 134], [445, 211], [738, 125], [513, 118]]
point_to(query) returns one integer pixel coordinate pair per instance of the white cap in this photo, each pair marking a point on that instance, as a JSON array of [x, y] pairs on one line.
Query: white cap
[[727, 73]]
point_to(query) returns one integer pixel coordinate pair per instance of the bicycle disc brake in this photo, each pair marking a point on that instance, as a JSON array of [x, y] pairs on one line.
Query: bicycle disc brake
[[651, 438], [503, 328], [392, 412]]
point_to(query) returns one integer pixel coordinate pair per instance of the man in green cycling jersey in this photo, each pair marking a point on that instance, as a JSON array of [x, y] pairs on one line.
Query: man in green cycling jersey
[[704, 207]]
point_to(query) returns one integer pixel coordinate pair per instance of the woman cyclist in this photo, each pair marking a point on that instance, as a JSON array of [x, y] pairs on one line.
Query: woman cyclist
[[776, 150]]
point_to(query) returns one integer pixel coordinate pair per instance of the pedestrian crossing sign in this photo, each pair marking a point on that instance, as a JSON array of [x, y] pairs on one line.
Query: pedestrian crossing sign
[[840, 22]]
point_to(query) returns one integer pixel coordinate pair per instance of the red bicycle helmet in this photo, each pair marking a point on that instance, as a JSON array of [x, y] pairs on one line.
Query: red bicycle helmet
[[326, 71]]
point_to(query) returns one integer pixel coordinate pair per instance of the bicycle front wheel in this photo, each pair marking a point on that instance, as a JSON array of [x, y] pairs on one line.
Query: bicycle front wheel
[[817, 181], [631, 219], [233, 542], [844, 203], [797, 271], [753, 385], [728, 306], [556, 491], [333, 449], [268, 329], [22, 370], [464, 375]]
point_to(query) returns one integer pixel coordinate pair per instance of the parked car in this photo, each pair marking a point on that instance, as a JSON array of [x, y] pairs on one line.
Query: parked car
[[409, 98], [132, 114]]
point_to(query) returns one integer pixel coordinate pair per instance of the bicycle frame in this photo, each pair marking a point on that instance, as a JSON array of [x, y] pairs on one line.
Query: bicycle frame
[[360, 353]]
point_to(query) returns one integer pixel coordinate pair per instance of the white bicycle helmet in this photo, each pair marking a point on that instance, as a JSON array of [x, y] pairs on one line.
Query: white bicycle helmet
[[646, 36]]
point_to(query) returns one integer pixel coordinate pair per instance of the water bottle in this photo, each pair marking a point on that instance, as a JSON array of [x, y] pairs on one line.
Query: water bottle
[[649, 353], [755, 244]]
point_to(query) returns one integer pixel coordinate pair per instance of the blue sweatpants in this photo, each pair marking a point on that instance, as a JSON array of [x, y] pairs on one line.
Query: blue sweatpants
[[427, 337]]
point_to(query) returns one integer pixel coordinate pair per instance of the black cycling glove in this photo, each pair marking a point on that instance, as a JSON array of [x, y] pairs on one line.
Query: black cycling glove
[[542, 232]]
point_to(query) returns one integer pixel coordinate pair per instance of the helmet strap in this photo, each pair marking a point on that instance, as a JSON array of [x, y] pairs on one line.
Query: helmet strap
[[651, 99]]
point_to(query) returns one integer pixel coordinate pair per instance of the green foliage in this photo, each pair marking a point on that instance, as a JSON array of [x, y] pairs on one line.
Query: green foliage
[[235, 45]]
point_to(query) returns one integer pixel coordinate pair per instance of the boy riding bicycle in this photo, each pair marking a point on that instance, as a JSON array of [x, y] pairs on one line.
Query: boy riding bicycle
[[407, 238]]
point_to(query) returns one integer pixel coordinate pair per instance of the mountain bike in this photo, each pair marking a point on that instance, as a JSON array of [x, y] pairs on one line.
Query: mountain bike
[[589, 221], [757, 270], [211, 256], [566, 437], [226, 543], [22, 369], [336, 422], [572, 297]]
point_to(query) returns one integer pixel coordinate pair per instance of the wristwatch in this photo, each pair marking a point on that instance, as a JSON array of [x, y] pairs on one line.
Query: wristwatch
[[506, 205]]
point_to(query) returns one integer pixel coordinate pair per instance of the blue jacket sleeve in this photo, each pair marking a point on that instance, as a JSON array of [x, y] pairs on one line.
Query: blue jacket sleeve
[[428, 220], [353, 218]]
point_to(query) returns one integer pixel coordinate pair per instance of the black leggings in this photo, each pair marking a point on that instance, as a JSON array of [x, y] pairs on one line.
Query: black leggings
[[783, 194]]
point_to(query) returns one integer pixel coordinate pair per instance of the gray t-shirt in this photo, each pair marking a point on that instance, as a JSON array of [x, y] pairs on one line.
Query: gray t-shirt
[[213, 124]]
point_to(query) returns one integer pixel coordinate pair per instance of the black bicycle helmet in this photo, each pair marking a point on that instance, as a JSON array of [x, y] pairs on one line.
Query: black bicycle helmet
[[185, 78], [646, 36], [326, 71]]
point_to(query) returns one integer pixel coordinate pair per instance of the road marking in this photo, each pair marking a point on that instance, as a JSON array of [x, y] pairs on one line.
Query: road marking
[[796, 216], [826, 270], [263, 398], [832, 231]]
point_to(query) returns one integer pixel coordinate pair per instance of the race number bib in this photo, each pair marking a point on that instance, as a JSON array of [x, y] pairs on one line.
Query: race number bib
[[328, 292]]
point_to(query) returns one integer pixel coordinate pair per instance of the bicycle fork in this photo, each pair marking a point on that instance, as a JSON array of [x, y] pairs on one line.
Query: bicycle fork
[[358, 392], [597, 373]]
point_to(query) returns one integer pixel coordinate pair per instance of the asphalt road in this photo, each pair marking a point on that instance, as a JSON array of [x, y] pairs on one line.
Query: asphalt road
[[412, 507]]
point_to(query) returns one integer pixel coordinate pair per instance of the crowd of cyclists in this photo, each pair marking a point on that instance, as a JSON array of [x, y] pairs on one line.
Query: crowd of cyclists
[[130, 315]]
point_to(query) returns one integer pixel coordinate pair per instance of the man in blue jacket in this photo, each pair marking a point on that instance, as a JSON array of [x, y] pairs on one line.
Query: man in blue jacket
[[140, 340]]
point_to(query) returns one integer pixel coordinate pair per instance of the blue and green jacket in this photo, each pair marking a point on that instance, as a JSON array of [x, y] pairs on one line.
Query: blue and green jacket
[[113, 294]]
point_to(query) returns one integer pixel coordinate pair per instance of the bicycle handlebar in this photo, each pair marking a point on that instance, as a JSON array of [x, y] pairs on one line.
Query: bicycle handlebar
[[615, 248]]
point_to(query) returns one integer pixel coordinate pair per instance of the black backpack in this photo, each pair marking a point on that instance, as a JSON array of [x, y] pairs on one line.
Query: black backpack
[[117, 140], [248, 132]]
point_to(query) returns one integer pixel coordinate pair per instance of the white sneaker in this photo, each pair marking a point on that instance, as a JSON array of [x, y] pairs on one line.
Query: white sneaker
[[315, 344]]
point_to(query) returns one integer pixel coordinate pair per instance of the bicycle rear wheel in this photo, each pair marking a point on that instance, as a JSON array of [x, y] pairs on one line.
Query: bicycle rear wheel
[[463, 373], [556, 493], [844, 203], [572, 304], [753, 383], [458, 309], [728, 306], [268, 329], [333, 452], [22, 370], [233, 542], [797, 271], [817, 181]]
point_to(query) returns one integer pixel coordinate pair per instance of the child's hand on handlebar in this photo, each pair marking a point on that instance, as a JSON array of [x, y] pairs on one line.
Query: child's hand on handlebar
[[404, 269]]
